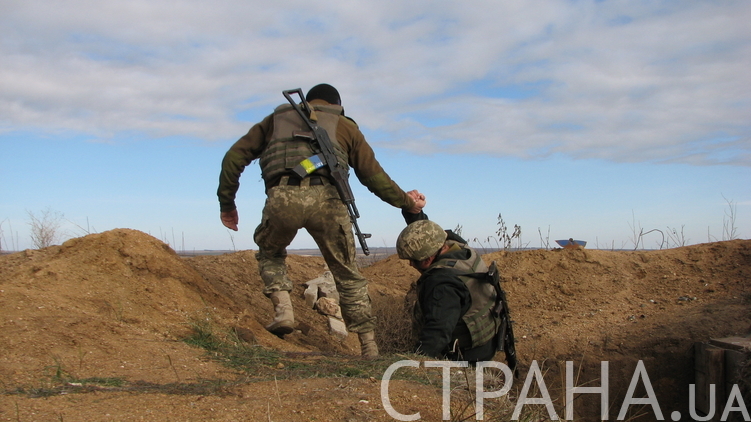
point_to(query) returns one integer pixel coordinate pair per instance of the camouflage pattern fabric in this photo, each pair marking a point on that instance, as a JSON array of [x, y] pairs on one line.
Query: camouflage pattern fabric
[[420, 240], [319, 210]]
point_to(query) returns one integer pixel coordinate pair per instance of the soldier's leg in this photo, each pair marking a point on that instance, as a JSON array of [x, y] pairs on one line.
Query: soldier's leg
[[331, 228], [281, 218], [280, 221]]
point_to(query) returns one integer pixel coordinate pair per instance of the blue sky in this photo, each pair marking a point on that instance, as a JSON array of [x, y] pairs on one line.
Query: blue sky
[[579, 119]]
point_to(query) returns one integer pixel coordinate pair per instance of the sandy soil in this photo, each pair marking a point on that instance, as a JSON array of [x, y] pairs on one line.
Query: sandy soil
[[116, 305]]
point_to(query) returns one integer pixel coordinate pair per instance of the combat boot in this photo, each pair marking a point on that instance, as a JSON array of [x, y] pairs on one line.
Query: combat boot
[[368, 347], [284, 318]]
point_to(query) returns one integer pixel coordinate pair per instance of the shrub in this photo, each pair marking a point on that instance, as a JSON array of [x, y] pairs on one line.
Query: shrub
[[45, 229], [394, 332]]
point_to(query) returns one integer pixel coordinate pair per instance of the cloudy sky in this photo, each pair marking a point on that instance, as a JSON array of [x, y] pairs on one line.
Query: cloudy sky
[[585, 119]]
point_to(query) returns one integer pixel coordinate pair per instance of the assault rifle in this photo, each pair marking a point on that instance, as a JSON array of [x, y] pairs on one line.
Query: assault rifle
[[505, 335], [326, 157]]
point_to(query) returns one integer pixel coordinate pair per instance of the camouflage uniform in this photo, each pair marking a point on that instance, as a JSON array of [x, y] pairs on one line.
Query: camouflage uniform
[[305, 204]]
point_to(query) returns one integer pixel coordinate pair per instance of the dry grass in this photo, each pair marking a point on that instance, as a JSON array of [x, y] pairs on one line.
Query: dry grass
[[393, 317], [494, 409]]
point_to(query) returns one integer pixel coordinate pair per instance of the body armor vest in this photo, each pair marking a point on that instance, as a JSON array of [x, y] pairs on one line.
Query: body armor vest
[[285, 150], [479, 319]]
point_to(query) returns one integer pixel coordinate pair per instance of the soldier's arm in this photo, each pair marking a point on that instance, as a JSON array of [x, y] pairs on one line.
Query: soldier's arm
[[367, 169], [410, 218], [442, 310], [242, 153]]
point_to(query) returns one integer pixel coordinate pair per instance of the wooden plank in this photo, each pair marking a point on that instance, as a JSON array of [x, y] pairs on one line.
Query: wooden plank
[[709, 362], [734, 361], [732, 343]]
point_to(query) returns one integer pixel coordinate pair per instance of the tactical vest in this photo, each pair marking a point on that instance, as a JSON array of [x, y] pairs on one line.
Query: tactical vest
[[479, 319], [285, 150]]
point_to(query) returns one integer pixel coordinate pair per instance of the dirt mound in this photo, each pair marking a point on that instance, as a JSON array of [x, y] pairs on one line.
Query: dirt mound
[[117, 304], [107, 305], [590, 306]]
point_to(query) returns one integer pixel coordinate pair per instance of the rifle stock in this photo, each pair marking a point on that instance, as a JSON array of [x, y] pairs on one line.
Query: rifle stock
[[327, 157]]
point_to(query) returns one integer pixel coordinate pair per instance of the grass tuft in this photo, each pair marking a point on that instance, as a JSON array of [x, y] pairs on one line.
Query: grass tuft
[[394, 330], [258, 363]]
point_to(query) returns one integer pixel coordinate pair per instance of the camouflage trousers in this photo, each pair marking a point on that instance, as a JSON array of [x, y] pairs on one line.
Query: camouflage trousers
[[319, 210]]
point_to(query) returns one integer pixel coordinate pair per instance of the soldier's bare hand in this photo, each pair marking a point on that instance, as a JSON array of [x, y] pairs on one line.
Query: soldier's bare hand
[[419, 199], [230, 219]]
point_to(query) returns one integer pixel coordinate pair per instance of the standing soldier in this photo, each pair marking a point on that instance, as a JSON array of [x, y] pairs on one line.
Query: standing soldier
[[282, 141]]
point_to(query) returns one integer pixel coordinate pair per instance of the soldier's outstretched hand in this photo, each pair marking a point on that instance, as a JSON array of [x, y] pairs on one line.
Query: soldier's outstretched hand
[[419, 199], [230, 219]]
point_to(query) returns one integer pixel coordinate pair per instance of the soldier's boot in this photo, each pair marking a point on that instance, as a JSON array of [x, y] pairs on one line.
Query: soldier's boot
[[284, 318], [368, 347]]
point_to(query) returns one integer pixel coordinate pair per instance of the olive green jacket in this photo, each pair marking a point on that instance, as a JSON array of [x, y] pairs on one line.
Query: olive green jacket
[[360, 156]]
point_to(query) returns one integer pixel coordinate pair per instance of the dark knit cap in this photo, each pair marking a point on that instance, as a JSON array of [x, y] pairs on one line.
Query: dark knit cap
[[324, 92]]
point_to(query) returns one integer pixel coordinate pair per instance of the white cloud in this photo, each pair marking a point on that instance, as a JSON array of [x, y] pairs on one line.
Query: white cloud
[[617, 80]]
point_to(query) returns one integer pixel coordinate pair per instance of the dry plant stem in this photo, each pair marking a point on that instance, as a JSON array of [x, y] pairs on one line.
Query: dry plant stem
[[636, 230], [504, 238], [45, 229], [678, 239], [232, 239], [459, 416], [1, 235], [729, 228], [169, 359], [643, 233], [81, 355], [13, 241], [276, 386], [638, 233], [544, 242], [84, 230]]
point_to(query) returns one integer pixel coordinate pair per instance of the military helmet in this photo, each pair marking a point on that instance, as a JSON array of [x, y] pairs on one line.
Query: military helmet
[[420, 240]]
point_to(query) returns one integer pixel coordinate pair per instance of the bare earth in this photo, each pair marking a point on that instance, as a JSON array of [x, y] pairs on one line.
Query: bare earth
[[117, 305]]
